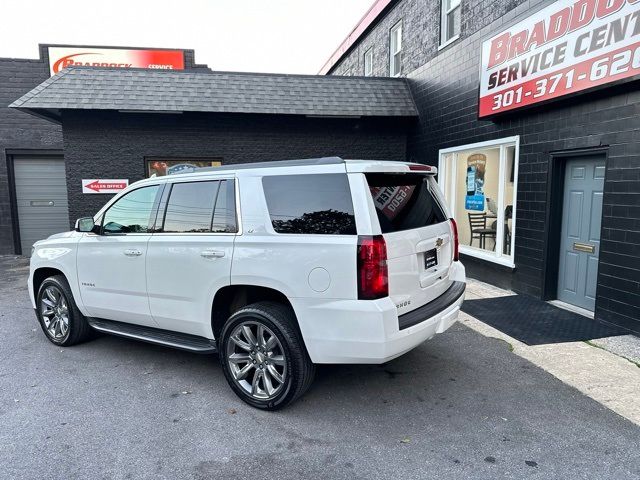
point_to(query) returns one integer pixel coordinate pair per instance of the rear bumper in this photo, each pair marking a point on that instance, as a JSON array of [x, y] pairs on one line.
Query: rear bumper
[[352, 331], [431, 309]]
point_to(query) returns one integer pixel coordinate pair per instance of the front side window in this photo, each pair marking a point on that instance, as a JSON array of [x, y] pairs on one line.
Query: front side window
[[368, 62], [200, 207], [395, 50], [450, 21], [132, 213], [479, 184], [311, 204]]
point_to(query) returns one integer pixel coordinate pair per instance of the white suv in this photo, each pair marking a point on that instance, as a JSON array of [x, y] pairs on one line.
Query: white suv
[[277, 266]]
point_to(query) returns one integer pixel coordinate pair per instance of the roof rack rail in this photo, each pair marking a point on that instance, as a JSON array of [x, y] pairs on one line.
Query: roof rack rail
[[277, 163]]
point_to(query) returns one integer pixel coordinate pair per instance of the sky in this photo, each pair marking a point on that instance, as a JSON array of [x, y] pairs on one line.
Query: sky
[[284, 36]]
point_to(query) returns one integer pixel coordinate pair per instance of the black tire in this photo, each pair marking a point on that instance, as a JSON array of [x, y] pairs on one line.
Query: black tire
[[78, 329], [280, 320]]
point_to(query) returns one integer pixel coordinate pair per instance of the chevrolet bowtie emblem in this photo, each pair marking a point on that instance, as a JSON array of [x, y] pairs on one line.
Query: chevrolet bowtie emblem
[[439, 242]]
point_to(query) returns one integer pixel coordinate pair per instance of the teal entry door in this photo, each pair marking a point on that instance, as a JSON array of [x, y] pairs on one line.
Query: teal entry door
[[580, 236]]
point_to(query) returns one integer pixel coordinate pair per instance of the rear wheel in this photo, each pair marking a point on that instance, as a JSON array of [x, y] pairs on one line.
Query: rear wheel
[[59, 317], [263, 356]]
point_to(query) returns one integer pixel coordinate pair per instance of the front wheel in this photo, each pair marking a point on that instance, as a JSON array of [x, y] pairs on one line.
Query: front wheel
[[59, 317], [263, 356]]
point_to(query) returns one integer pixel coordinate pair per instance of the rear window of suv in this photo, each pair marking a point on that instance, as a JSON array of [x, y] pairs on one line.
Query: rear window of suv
[[404, 201], [311, 204]]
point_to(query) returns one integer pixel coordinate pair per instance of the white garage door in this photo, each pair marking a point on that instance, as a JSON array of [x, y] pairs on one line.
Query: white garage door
[[41, 197]]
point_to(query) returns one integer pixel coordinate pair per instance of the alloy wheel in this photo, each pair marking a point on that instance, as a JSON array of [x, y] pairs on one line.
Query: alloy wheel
[[55, 312], [256, 360]]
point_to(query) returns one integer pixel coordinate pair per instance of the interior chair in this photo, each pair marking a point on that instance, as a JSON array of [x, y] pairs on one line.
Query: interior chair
[[479, 229]]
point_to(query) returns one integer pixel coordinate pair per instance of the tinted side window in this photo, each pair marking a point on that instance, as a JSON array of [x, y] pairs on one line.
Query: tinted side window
[[403, 201], [190, 207], [131, 213], [316, 204], [224, 217]]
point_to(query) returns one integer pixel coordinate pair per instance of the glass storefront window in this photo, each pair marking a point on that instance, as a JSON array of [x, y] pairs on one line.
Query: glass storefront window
[[159, 167], [479, 185]]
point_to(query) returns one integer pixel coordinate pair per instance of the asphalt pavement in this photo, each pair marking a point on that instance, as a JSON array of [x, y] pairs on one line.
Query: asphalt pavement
[[459, 406]]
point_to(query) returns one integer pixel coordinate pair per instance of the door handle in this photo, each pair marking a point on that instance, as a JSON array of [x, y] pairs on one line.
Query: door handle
[[584, 247], [132, 252], [212, 253]]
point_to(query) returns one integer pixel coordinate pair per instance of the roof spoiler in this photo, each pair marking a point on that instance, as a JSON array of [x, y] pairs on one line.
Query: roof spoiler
[[367, 166]]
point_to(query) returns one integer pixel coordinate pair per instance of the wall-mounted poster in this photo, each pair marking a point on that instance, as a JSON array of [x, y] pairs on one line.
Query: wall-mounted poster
[[476, 164]]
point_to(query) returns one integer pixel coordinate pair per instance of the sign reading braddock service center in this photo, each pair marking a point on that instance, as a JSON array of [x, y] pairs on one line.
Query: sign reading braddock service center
[[567, 47], [62, 57]]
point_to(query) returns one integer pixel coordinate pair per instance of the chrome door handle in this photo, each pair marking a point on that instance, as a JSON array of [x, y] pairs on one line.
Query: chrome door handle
[[132, 252], [584, 247], [212, 253]]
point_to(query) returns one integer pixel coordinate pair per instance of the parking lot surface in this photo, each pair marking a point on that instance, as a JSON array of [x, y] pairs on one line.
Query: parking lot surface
[[459, 406]]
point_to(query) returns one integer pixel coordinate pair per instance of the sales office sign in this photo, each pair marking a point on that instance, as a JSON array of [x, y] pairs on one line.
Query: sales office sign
[[565, 48], [104, 185]]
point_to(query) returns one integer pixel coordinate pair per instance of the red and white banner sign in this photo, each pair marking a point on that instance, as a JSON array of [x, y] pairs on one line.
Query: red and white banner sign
[[104, 185], [62, 57], [391, 200], [567, 47]]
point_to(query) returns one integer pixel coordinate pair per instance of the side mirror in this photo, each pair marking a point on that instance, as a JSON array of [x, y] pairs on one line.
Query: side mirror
[[85, 224]]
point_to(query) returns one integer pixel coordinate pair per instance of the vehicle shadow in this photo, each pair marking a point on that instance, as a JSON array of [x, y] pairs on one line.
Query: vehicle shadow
[[428, 374]]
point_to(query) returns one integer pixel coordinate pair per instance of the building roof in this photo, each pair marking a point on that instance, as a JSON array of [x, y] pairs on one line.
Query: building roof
[[142, 90], [368, 19]]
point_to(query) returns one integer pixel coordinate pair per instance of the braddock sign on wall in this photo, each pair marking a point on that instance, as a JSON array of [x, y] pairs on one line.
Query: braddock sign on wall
[[62, 57], [567, 47]]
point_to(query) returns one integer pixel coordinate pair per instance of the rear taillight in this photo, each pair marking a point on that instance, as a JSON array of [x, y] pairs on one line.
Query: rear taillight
[[456, 241], [373, 277]]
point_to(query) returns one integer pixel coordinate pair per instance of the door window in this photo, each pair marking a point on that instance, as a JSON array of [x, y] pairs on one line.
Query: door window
[[132, 213], [201, 207], [224, 217], [190, 207]]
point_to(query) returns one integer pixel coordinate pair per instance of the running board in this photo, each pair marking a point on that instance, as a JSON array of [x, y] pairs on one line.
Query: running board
[[182, 341]]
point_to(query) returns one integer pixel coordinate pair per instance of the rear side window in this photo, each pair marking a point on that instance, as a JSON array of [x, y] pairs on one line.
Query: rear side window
[[403, 201], [200, 207], [312, 204]]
